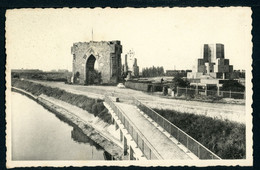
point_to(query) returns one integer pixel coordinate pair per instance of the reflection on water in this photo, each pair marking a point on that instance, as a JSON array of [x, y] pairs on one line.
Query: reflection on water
[[78, 136], [38, 134]]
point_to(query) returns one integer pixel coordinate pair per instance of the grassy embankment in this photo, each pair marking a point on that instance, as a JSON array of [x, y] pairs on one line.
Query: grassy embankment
[[47, 76], [93, 106], [224, 138]]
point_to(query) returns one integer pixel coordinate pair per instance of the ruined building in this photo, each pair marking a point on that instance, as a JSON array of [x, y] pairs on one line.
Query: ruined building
[[125, 68], [213, 63], [96, 62], [130, 67], [135, 68]]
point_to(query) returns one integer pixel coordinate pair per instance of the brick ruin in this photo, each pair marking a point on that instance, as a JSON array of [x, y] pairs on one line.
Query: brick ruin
[[96, 62]]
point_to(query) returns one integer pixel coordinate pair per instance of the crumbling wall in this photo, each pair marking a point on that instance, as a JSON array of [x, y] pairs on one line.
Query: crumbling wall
[[107, 55]]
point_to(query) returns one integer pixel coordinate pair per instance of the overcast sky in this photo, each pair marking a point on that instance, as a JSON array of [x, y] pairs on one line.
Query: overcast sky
[[42, 38]]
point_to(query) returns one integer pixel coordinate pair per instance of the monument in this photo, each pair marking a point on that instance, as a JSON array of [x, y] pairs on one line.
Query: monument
[[213, 63]]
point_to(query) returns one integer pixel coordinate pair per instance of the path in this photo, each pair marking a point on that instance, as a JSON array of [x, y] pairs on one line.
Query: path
[[163, 144], [222, 111]]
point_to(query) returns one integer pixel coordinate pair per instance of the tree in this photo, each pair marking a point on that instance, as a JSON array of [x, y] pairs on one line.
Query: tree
[[233, 86], [153, 71], [179, 82]]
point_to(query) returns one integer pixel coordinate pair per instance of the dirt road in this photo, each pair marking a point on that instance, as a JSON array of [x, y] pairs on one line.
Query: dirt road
[[222, 111]]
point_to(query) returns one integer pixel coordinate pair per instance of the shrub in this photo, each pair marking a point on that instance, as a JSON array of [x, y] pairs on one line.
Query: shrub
[[233, 86]]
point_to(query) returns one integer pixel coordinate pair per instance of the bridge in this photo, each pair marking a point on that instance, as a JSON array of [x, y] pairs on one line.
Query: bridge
[[146, 135]]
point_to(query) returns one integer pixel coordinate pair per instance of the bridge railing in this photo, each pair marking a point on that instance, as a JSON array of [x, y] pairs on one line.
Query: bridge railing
[[194, 146], [142, 143]]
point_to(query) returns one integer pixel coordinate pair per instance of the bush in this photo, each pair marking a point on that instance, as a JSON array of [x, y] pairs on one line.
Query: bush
[[233, 86], [177, 81]]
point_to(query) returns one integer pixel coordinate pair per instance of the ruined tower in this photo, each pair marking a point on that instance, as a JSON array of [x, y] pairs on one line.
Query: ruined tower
[[105, 55], [135, 68]]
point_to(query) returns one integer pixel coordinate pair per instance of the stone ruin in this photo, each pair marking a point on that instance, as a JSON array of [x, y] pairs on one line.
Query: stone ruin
[[96, 62]]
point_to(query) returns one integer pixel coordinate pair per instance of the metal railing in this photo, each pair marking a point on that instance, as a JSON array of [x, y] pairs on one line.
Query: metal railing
[[225, 94], [142, 143], [194, 146]]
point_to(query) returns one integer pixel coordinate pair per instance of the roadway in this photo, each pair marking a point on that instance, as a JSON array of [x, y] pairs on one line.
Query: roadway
[[233, 112]]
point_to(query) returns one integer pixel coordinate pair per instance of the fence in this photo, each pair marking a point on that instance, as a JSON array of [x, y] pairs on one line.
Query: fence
[[142, 143], [225, 94], [194, 146]]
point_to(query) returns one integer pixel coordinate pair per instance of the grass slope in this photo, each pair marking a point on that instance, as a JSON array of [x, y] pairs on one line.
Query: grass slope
[[224, 138], [93, 106]]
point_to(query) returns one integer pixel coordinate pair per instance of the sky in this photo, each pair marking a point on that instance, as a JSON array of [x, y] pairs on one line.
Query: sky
[[168, 37]]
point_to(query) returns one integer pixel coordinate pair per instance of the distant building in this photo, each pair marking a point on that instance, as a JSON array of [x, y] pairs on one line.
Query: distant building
[[26, 71], [212, 67], [63, 70], [130, 66], [239, 74], [180, 73], [135, 68], [126, 65]]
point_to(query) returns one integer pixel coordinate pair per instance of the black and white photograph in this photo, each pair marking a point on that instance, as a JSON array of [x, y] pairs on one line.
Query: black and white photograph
[[129, 86]]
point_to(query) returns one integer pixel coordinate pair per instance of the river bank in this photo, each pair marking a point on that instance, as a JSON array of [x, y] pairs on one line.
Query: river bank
[[40, 135], [94, 127], [92, 105]]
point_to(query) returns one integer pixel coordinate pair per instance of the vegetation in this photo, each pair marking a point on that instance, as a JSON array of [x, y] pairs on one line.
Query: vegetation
[[93, 106], [94, 77], [48, 76], [224, 138], [153, 71], [179, 82], [233, 86]]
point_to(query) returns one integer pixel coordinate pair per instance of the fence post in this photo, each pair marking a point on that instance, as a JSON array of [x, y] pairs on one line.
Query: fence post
[[229, 93], [137, 139], [177, 91], [187, 142], [150, 153], [178, 136], [143, 146], [199, 151], [157, 121], [163, 124], [186, 91], [170, 130], [197, 90], [206, 88]]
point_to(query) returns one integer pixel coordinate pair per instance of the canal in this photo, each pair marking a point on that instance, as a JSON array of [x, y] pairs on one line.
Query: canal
[[38, 134]]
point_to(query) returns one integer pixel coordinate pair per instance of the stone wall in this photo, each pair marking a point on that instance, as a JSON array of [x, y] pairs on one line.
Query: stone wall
[[137, 86]]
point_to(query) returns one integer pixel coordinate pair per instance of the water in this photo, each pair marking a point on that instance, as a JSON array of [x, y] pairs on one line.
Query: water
[[38, 134]]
